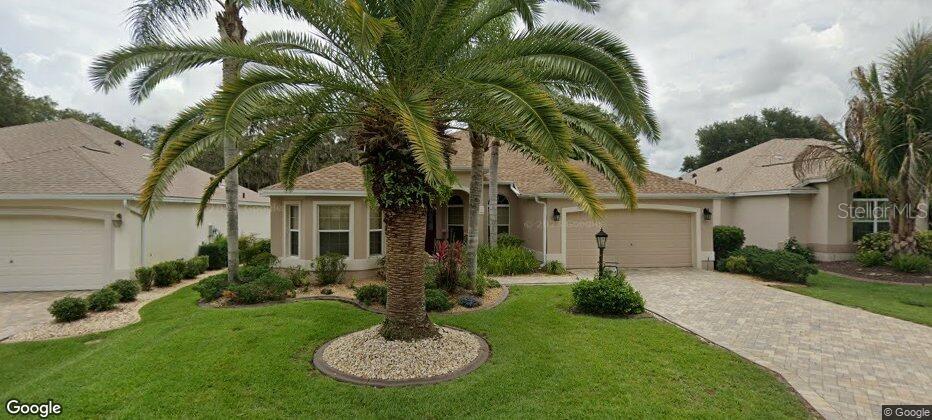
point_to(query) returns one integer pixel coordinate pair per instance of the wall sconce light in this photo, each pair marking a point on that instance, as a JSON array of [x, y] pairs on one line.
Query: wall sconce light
[[556, 215], [118, 220], [706, 214]]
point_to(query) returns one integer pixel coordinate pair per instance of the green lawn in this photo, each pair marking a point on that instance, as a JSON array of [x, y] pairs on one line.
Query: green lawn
[[183, 360], [907, 302]]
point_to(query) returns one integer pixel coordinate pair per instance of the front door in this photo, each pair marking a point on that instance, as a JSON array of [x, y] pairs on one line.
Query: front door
[[430, 239]]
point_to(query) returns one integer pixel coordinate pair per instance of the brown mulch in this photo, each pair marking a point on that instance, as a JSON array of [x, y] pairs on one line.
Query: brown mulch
[[879, 274]]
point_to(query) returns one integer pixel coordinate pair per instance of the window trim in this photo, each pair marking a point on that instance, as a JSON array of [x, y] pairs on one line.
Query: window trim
[[287, 230], [498, 206], [369, 231], [317, 230], [463, 226], [875, 222]]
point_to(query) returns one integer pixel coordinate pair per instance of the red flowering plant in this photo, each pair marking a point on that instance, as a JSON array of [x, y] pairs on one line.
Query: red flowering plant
[[449, 260]]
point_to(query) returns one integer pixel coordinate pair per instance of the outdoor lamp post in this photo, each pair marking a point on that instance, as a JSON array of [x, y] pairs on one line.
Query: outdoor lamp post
[[600, 239]]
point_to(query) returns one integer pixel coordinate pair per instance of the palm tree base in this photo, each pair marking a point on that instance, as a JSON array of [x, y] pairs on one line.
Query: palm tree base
[[408, 331]]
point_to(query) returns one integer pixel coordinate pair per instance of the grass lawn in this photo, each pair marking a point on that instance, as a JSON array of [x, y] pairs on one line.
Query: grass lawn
[[907, 302], [183, 360]]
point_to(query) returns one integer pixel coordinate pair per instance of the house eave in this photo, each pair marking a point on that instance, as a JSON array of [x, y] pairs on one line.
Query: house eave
[[304, 193], [788, 191], [115, 197]]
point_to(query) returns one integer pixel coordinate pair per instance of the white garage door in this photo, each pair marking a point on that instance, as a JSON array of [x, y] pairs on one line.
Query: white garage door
[[639, 238], [51, 253]]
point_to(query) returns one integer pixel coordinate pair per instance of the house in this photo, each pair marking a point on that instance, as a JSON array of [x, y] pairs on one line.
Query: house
[[69, 215], [771, 204], [327, 212]]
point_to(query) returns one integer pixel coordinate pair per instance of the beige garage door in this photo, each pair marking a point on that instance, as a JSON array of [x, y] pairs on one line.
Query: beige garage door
[[51, 253], [639, 238]]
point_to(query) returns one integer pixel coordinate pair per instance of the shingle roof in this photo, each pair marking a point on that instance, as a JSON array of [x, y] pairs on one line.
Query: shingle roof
[[528, 177], [765, 167], [71, 157]]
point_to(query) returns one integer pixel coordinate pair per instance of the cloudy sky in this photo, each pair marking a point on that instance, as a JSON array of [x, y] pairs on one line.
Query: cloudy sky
[[705, 60]]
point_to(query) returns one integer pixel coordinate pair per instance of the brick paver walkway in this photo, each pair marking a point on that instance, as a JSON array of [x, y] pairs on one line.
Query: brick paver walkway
[[846, 362]]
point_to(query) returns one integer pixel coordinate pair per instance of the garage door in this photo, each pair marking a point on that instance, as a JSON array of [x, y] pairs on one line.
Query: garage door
[[51, 253], [639, 238]]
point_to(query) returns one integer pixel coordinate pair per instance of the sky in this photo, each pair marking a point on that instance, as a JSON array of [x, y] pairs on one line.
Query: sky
[[705, 60]]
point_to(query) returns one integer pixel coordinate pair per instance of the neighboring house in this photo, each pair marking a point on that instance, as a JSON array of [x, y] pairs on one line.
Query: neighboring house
[[771, 204], [327, 212], [69, 216]]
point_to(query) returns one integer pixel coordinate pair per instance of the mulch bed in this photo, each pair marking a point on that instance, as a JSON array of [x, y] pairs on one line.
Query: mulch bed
[[880, 274]]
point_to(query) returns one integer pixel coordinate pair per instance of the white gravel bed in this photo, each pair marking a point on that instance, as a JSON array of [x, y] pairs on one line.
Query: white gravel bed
[[121, 316], [366, 354]]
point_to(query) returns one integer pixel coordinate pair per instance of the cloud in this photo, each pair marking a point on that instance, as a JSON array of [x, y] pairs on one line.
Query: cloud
[[704, 61]]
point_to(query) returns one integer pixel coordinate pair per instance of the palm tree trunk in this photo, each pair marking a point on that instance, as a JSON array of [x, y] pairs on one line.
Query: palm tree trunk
[[405, 315], [231, 30], [493, 192], [478, 142], [903, 228]]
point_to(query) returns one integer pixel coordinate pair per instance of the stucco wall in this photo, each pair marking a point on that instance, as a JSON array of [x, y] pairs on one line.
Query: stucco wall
[[764, 219]]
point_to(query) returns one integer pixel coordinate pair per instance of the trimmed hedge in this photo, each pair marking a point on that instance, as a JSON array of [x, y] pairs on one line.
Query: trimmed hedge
[[506, 260], [879, 241], [793, 245], [144, 276], [736, 264], [776, 265], [329, 268], [68, 309], [167, 273], [216, 253], [127, 289], [196, 266], [870, 258], [725, 240], [608, 295], [251, 273], [269, 287], [373, 293], [211, 288], [102, 300], [437, 300]]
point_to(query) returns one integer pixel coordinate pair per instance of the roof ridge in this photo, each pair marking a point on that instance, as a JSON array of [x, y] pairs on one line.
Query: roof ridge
[[102, 172]]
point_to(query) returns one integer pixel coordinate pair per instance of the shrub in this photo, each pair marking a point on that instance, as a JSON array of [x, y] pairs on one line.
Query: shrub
[[492, 283], [166, 273], [507, 239], [431, 272], [736, 264], [102, 300], [470, 301], [725, 240], [554, 267], [869, 258], [300, 277], [211, 288], [372, 293], [269, 287], [879, 241], [251, 248], [195, 266], [126, 289], [68, 309], [793, 245], [437, 300], [449, 260], [481, 283], [330, 268], [326, 291], [250, 273], [608, 295], [910, 263], [216, 253], [144, 276], [924, 242], [776, 265], [506, 260], [263, 259]]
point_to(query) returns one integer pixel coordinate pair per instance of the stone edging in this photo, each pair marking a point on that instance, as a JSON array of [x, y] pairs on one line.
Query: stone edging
[[354, 302], [806, 402], [318, 362], [869, 280]]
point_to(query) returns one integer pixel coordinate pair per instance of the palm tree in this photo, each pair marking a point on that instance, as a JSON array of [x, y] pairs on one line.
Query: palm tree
[[154, 20], [493, 191], [887, 143], [396, 74], [479, 143]]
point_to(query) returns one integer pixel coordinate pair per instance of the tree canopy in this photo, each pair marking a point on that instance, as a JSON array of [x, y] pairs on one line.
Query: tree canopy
[[725, 138]]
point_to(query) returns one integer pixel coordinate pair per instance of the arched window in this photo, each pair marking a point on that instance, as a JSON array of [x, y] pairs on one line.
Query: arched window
[[504, 220], [455, 219]]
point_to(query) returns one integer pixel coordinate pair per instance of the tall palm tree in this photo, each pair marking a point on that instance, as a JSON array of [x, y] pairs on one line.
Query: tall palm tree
[[395, 73], [494, 146], [886, 147], [479, 143], [154, 20]]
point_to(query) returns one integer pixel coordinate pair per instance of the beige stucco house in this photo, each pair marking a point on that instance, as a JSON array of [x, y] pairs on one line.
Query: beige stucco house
[[768, 201], [672, 227], [69, 216]]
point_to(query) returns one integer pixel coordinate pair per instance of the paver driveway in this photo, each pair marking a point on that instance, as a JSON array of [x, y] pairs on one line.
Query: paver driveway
[[20, 311], [846, 362]]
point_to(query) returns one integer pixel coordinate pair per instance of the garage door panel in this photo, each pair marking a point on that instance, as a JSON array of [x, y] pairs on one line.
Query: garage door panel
[[52, 253], [640, 238]]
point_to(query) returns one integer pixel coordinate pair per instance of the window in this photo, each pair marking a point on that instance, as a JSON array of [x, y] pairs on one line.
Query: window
[[503, 214], [455, 219], [333, 229], [869, 216], [294, 233], [375, 232]]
